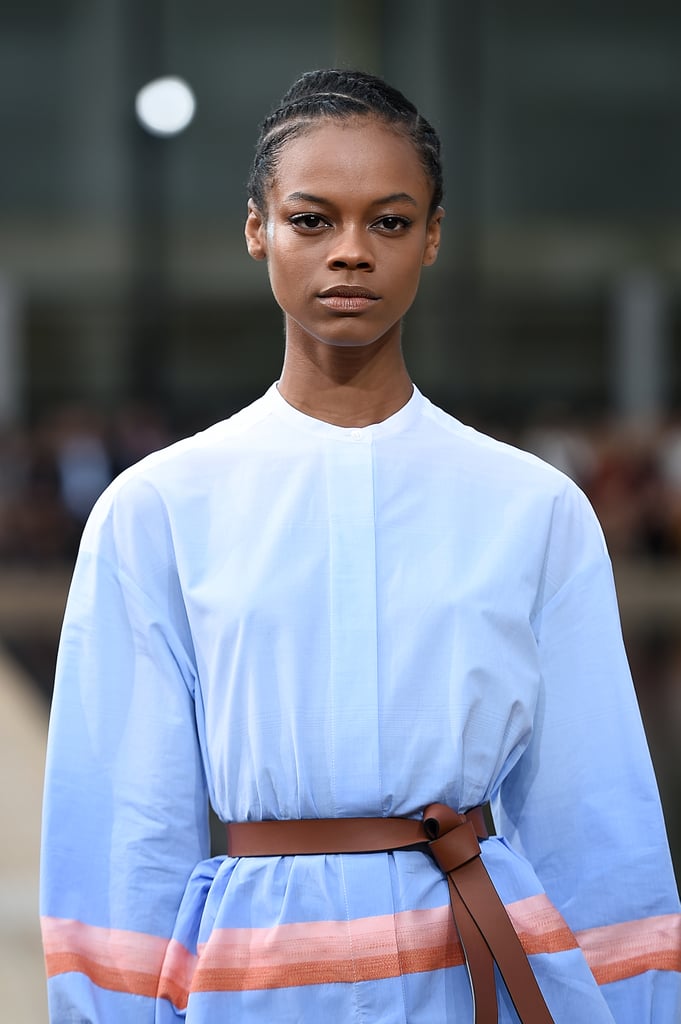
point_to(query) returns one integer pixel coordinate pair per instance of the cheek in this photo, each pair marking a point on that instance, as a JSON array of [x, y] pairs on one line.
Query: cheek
[[411, 266], [287, 276], [289, 262]]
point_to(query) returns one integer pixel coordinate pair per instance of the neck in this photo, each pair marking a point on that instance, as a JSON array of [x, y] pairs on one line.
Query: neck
[[349, 387]]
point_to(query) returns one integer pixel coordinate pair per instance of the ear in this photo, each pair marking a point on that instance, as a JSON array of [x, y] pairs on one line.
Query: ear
[[433, 237], [256, 232]]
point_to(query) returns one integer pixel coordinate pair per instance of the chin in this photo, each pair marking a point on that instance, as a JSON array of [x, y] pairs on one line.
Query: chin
[[347, 343]]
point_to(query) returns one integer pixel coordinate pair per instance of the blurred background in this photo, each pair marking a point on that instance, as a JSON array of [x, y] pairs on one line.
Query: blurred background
[[130, 313]]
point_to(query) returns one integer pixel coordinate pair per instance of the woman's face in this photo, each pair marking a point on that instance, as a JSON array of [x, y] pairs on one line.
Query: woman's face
[[346, 233]]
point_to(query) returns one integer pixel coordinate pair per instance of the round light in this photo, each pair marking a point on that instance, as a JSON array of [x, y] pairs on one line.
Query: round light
[[165, 106]]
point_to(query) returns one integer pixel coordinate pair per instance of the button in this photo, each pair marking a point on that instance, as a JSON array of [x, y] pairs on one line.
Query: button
[[356, 434]]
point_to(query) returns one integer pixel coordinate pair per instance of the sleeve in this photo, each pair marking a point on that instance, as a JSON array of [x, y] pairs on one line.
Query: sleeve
[[125, 817], [582, 802]]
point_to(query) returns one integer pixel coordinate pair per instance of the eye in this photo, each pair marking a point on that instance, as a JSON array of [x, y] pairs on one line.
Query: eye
[[392, 224], [308, 221]]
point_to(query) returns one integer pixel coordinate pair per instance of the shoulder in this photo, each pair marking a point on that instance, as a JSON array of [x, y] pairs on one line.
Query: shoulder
[[521, 487], [481, 456]]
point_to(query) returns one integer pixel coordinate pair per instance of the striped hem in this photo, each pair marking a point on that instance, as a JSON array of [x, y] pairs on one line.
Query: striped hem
[[324, 952], [121, 961]]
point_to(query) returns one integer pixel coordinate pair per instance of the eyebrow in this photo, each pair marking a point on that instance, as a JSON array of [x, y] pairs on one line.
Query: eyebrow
[[394, 197]]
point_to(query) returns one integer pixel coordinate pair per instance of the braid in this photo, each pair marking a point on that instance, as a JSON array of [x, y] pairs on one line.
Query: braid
[[340, 94]]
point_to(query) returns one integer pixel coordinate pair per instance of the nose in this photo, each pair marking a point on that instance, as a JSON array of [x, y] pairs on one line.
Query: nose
[[351, 250]]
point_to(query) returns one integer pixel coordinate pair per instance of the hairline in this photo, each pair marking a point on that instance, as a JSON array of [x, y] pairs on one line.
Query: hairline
[[307, 123]]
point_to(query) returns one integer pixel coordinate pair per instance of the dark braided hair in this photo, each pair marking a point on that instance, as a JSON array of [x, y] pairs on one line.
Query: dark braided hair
[[340, 94]]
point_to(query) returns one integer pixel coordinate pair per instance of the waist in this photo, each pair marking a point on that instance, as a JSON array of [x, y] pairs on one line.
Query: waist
[[308, 836]]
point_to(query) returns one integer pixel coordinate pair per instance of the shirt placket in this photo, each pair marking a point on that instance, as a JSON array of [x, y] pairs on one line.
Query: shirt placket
[[353, 686]]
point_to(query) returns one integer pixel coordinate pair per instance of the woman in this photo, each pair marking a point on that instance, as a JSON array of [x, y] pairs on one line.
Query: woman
[[342, 603]]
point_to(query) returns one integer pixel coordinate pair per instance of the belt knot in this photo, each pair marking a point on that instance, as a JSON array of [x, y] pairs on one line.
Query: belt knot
[[451, 837]]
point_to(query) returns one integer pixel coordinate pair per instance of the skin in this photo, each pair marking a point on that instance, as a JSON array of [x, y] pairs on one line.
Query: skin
[[348, 211]]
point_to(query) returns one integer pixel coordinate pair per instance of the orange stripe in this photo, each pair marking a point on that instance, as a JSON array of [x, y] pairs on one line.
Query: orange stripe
[[540, 927], [237, 959], [313, 953], [319, 952], [620, 951], [122, 961]]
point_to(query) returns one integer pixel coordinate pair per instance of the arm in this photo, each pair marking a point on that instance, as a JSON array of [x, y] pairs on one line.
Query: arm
[[582, 802], [125, 812]]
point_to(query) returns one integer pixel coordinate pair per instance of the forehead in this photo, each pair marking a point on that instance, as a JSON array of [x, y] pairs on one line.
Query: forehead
[[354, 155]]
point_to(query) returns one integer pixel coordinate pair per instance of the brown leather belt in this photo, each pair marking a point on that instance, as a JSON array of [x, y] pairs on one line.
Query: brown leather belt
[[485, 930]]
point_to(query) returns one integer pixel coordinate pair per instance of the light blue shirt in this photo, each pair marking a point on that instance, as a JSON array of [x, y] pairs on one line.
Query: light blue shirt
[[293, 619]]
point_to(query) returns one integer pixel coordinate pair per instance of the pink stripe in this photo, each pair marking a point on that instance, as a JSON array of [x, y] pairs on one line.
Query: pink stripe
[[317, 940], [385, 946], [237, 959], [110, 947], [336, 940], [540, 926], [327, 952], [619, 951], [119, 960]]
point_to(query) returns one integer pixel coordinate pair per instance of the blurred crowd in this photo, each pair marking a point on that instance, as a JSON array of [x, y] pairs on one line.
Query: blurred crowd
[[51, 475], [631, 473]]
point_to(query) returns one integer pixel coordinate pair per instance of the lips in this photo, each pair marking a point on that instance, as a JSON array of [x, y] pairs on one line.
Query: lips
[[348, 299], [347, 291]]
